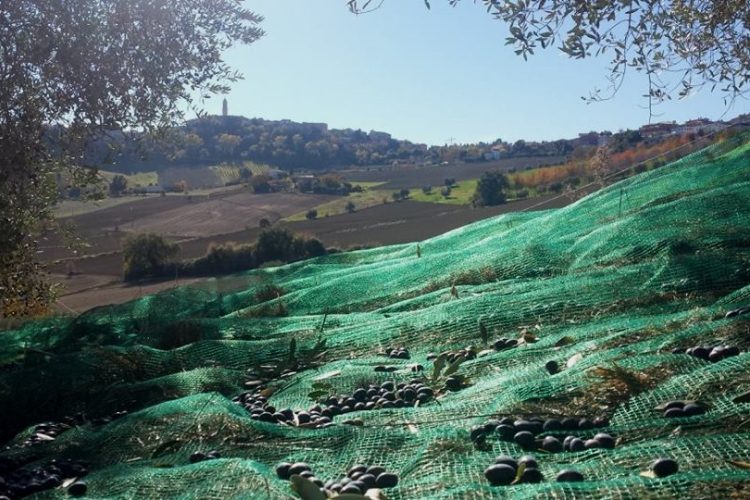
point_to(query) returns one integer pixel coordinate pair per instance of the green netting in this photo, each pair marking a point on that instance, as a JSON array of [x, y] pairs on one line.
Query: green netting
[[621, 278]]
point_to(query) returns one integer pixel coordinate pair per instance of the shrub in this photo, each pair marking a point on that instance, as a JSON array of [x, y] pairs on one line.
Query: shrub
[[490, 189], [118, 185], [313, 248], [147, 255], [273, 244], [222, 259], [268, 292], [260, 184], [312, 214], [350, 207]]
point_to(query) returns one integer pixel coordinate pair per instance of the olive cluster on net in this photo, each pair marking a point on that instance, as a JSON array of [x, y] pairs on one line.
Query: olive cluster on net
[[712, 354], [374, 396], [357, 480], [17, 481], [396, 352], [523, 431], [507, 470], [677, 409], [49, 431]]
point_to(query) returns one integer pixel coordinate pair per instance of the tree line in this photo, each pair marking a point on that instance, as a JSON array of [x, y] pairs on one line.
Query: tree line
[[289, 145], [153, 256]]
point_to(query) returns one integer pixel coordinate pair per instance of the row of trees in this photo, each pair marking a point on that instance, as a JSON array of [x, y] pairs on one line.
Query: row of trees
[[150, 255]]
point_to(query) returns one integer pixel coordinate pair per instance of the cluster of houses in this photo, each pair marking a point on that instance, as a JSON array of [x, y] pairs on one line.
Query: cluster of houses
[[697, 126]]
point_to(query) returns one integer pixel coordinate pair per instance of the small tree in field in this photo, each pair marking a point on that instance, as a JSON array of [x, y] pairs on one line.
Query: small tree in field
[[118, 185], [311, 214], [146, 255], [350, 207], [490, 189]]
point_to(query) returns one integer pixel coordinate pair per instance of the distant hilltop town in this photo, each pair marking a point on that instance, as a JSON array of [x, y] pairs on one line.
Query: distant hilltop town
[[286, 144], [696, 126]]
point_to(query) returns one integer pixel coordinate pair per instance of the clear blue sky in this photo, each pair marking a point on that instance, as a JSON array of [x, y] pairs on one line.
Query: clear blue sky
[[427, 75]]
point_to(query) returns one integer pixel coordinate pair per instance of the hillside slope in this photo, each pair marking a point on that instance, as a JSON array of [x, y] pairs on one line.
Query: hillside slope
[[616, 282]]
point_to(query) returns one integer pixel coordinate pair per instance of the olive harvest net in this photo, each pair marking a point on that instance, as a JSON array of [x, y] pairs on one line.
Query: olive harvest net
[[613, 288]]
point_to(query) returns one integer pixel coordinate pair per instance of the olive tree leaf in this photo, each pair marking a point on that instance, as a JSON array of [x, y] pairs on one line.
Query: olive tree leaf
[[437, 367], [453, 367], [168, 447], [519, 472], [306, 489]]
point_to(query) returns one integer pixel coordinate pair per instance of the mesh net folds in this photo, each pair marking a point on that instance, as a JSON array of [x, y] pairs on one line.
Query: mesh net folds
[[613, 288]]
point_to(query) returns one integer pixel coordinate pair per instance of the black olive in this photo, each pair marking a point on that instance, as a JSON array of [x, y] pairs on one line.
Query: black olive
[[552, 367], [674, 413], [506, 460], [282, 470], [552, 444], [532, 475], [476, 431], [691, 409], [375, 470], [663, 467], [356, 469], [569, 475], [524, 439], [605, 440], [569, 423], [505, 432], [367, 479], [297, 468], [77, 489], [351, 488], [386, 480], [452, 384], [551, 424], [585, 424], [591, 444], [500, 474]]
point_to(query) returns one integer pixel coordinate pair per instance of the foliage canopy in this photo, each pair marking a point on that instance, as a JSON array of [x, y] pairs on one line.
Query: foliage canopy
[[70, 68], [490, 189]]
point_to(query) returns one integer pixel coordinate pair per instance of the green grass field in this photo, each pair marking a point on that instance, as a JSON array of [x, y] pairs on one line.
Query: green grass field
[[70, 208], [460, 194], [140, 179], [370, 197]]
